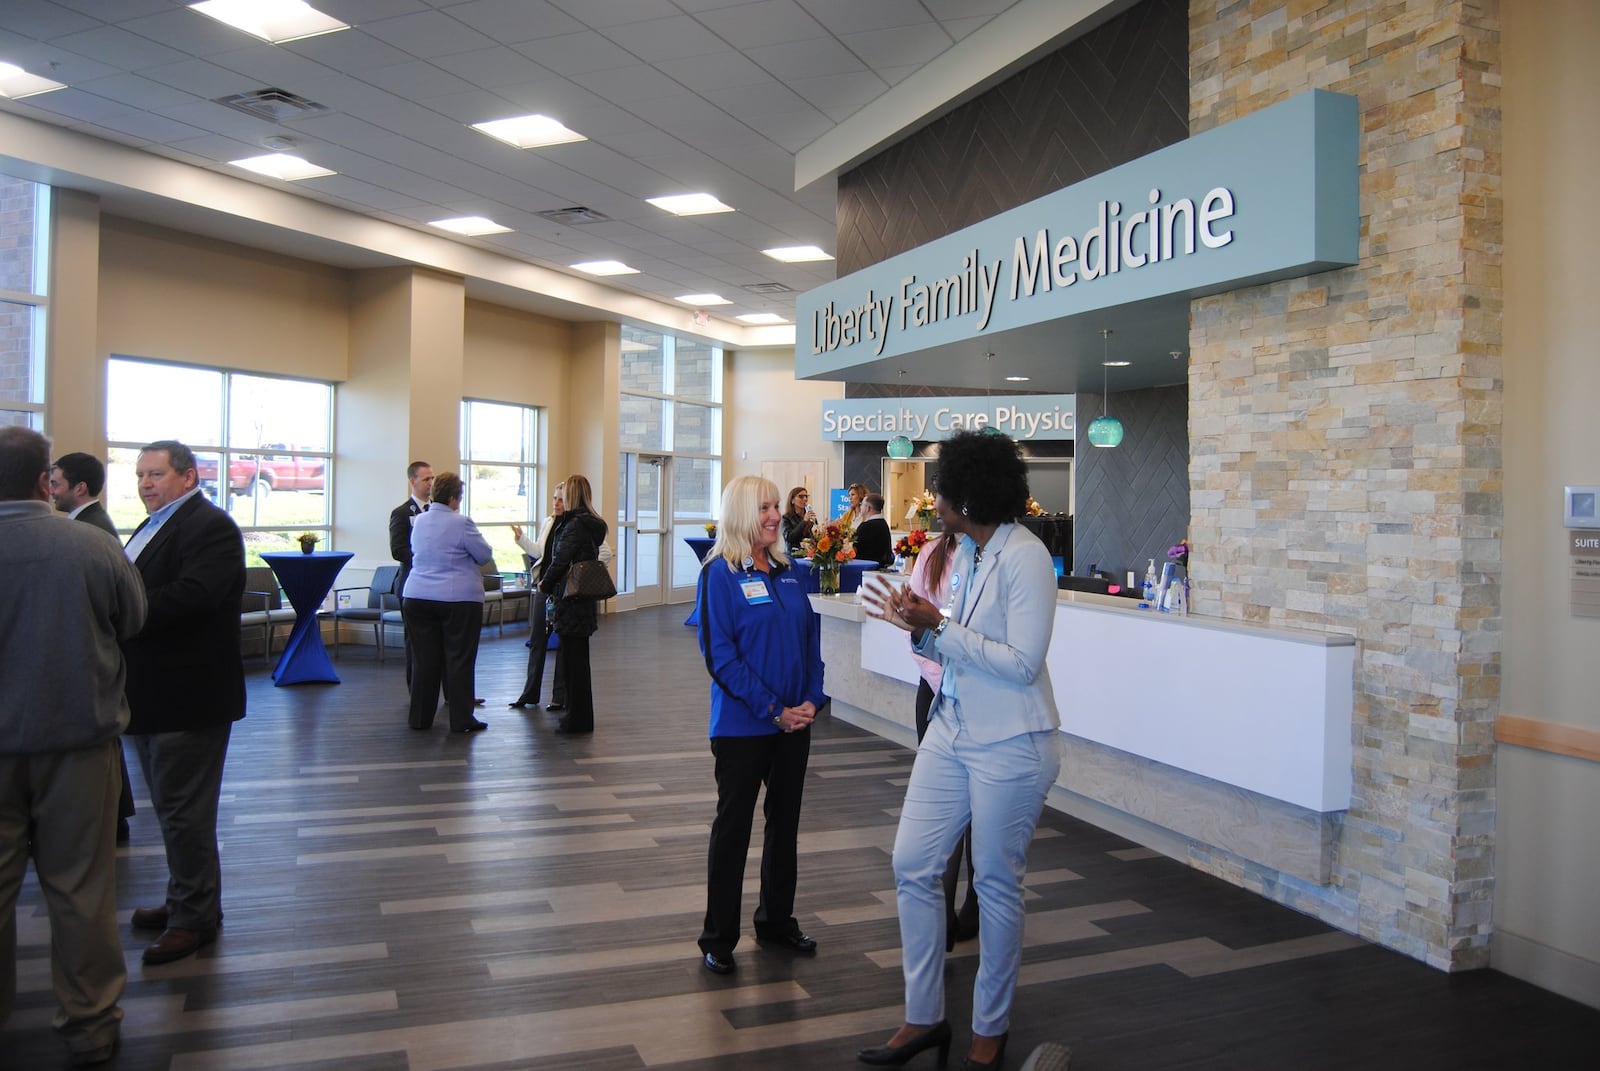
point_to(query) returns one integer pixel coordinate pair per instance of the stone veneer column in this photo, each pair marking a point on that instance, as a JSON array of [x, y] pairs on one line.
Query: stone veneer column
[[1344, 428]]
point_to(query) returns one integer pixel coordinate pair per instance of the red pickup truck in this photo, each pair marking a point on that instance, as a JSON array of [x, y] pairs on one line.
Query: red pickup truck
[[261, 473]]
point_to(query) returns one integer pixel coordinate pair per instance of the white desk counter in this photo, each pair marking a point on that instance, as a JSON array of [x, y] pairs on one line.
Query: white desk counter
[[1225, 734]]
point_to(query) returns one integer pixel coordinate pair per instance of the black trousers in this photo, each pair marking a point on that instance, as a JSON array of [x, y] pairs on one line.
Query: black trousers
[[444, 637], [743, 765], [539, 636], [572, 671]]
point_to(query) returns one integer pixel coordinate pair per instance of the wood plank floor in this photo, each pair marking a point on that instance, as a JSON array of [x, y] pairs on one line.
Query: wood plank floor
[[518, 899]]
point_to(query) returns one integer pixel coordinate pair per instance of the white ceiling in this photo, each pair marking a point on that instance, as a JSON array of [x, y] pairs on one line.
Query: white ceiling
[[674, 95]]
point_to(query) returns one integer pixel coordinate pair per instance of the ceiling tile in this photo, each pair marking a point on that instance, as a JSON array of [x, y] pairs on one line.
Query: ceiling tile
[[664, 39], [766, 22], [896, 48], [718, 70], [842, 95], [74, 103], [428, 34], [123, 50], [125, 9], [513, 21], [187, 31], [606, 13], [840, 17], [416, 80], [349, 50], [148, 126], [577, 53], [44, 22], [955, 9], [473, 106], [494, 67], [361, 12], [623, 84], [132, 90], [802, 59], [196, 76], [960, 29]]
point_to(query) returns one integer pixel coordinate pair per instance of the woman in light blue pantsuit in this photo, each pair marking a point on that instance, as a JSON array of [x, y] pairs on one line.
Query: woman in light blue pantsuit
[[992, 749]]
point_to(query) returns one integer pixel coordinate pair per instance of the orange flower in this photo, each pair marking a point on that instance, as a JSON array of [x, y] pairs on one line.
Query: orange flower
[[824, 545]]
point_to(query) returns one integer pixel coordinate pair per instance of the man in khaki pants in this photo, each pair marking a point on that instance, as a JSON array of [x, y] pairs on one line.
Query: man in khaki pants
[[67, 592]]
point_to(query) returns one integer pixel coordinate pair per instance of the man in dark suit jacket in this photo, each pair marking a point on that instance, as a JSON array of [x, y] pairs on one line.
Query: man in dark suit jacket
[[872, 533], [76, 480], [185, 686], [419, 474]]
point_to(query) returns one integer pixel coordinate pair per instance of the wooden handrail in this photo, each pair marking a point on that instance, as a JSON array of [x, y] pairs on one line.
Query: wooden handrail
[[1572, 740]]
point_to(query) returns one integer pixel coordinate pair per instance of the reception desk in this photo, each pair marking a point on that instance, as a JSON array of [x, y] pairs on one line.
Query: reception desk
[[1184, 733]]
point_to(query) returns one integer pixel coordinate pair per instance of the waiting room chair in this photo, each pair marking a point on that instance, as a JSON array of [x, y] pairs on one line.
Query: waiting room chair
[[494, 604], [262, 604], [381, 596]]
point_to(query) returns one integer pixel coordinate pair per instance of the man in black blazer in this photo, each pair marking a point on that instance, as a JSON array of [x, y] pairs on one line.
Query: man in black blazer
[[419, 474], [872, 533], [76, 480], [185, 686]]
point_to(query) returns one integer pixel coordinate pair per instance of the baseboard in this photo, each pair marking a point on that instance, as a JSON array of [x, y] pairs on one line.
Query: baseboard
[[1548, 968]]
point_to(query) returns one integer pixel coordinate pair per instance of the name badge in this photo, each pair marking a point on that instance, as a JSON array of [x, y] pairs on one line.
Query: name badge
[[755, 592]]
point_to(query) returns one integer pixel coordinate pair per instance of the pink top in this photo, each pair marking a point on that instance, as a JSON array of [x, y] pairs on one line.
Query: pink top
[[931, 669]]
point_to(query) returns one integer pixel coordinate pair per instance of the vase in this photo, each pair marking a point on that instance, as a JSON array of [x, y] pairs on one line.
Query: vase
[[828, 578], [307, 548], [909, 564]]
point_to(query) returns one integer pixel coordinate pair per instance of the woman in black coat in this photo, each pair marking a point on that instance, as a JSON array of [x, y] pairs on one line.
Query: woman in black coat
[[574, 620]]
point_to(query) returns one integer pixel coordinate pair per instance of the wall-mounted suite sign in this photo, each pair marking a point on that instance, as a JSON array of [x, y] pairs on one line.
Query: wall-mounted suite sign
[[1021, 416], [1271, 196]]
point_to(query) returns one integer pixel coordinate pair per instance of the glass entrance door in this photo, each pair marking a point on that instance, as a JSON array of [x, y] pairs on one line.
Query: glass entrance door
[[645, 524]]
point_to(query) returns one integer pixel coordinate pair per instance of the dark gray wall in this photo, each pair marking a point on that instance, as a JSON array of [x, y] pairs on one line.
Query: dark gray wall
[[1133, 501]]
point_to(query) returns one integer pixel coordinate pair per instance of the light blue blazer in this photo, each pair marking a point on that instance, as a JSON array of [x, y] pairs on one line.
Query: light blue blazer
[[446, 551], [995, 653]]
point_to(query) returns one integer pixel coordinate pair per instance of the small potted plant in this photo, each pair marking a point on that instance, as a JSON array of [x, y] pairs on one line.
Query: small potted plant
[[308, 542], [711, 529]]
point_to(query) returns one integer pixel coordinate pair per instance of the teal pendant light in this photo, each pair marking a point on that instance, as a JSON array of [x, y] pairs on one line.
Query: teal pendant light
[[900, 447], [1105, 431]]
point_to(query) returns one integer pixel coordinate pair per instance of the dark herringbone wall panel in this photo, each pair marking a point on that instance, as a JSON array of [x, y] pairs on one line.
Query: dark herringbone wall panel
[[1133, 501], [1117, 93]]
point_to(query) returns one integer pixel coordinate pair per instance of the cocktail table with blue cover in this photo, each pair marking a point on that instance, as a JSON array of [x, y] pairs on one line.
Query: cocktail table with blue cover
[[306, 580]]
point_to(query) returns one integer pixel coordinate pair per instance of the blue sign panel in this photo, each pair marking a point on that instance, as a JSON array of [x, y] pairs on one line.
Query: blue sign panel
[[1021, 416], [1271, 196]]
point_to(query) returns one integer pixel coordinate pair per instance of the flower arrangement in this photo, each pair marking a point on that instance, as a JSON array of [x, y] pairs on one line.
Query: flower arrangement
[[911, 544], [1178, 553], [1034, 509], [920, 513], [308, 542], [828, 548], [711, 529]]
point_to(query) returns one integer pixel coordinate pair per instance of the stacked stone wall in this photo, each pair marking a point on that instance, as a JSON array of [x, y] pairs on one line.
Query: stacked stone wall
[[1345, 470]]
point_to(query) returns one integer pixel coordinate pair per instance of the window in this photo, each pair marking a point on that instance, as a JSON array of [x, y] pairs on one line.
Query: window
[[501, 471], [670, 409], [263, 445], [24, 303]]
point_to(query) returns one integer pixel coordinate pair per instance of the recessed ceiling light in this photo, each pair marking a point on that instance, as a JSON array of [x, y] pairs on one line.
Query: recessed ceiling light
[[762, 318], [471, 226], [17, 83], [283, 166], [690, 204], [703, 299], [275, 21], [796, 254], [605, 267], [1116, 364], [1017, 379], [529, 131]]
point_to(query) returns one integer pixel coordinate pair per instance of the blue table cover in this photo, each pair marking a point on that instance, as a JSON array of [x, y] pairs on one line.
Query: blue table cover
[[306, 580]]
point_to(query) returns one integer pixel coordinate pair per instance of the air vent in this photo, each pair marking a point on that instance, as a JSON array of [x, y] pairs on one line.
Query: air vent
[[576, 216], [768, 288], [273, 105]]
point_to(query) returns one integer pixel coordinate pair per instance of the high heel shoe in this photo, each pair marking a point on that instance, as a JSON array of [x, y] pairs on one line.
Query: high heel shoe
[[969, 1064], [936, 1036]]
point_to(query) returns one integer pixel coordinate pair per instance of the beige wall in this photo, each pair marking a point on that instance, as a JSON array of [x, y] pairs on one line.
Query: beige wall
[[178, 297], [769, 416], [1548, 856]]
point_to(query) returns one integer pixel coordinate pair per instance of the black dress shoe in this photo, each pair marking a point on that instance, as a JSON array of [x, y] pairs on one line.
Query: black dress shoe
[[555, 708], [717, 963], [794, 942], [473, 726], [936, 1036], [969, 1064], [565, 726]]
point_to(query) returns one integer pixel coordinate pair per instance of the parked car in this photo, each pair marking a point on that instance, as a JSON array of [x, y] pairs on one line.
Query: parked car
[[281, 469]]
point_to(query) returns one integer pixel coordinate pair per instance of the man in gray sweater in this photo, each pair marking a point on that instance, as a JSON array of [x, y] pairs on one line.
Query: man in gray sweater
[[66, 591]]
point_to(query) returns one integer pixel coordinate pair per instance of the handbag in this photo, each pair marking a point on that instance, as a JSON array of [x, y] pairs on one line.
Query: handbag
[[589, 580]]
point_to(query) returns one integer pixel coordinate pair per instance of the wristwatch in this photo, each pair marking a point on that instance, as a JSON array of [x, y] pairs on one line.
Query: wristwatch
[[777, 719], [938, 630]]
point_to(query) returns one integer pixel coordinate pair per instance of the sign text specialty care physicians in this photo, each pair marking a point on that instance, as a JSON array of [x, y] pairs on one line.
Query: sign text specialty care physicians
[[1021, 416], [1271, 196]]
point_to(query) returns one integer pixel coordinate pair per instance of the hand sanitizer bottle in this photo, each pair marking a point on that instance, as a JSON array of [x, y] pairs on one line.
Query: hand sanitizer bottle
[[1149, 589]]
